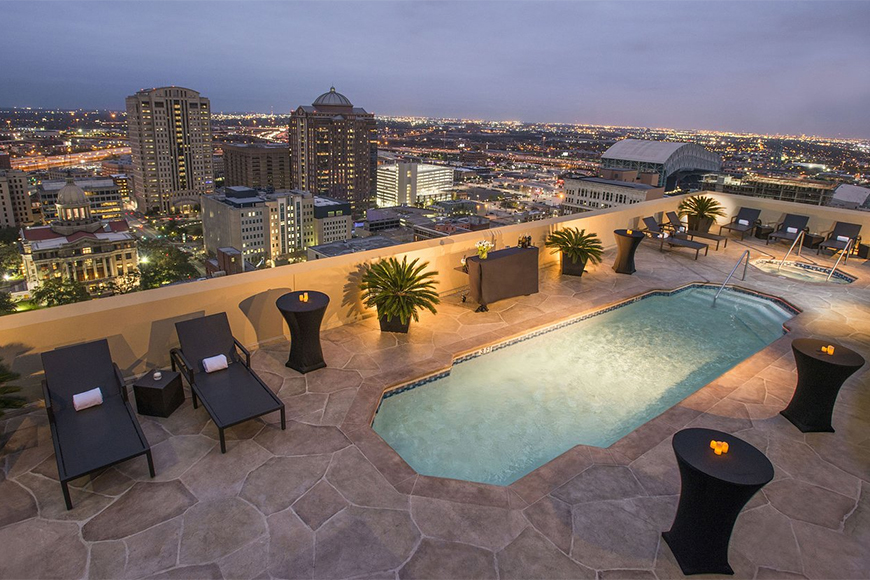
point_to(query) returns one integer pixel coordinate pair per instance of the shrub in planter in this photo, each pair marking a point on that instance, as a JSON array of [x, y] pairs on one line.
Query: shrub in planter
[[577, 248], [399, 290], [702, 211]]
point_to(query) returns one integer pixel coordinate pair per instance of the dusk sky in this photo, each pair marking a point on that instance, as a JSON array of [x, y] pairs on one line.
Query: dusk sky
[[786, 67]]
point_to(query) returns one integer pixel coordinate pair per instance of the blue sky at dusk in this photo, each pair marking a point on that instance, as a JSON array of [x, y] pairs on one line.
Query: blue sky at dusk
[[788, 67]]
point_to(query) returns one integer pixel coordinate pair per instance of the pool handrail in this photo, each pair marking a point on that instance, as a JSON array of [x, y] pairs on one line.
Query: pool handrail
[[799, 238], [745, 254], [845, 252]]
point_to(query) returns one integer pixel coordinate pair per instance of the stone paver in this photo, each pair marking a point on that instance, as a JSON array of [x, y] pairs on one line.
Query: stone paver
[[328, 498]]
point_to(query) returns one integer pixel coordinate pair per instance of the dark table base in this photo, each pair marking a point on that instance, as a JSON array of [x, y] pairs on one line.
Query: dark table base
[[303, 319], [626, 246]]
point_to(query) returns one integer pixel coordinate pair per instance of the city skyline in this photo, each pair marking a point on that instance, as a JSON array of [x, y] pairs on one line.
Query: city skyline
[[756, 68]]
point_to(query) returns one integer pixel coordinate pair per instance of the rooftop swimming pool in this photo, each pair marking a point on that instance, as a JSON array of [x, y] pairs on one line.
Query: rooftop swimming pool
[[802, 271], [501, 412]]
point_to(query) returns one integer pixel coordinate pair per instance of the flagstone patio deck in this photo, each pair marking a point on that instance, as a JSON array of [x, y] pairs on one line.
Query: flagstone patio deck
[[327, 498]]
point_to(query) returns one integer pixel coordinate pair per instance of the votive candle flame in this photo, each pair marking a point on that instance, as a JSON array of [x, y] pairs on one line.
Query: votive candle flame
[[719, 447]]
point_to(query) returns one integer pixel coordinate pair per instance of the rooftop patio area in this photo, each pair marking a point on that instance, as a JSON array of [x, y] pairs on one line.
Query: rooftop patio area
[[328, 498]]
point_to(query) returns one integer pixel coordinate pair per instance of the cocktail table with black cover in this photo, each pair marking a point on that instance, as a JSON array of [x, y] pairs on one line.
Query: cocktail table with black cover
[[820, 377], [714, 490], [304, 320], [626, 244]]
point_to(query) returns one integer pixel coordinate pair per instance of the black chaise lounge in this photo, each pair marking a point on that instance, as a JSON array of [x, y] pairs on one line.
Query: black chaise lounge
[[744, 221], [232, 395], [790, 228], [676, 239], [837, 239], [96, 437], [676, 224]]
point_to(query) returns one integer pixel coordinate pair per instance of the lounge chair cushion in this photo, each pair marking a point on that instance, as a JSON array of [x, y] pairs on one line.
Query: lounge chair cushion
[[234, 394]]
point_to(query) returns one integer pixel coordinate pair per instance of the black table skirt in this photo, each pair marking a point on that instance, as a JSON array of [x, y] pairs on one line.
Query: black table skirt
[[304, 319], [820, 377], [626, 245], [714, 490], [504, 274]]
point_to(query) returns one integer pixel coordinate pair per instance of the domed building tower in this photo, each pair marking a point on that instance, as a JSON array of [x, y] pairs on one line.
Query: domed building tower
[[74, 211], [334, 150]]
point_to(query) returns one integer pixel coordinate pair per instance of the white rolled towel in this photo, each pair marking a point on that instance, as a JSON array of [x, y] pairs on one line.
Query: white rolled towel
[[214, 363], [743, 222], [791, 230], [842, 238], [87, 399]]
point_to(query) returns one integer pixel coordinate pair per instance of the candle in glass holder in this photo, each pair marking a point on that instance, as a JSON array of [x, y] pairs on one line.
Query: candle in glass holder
[[719, 447], [629, 232]]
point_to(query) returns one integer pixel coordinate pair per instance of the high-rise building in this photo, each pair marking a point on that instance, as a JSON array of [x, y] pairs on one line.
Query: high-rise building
[[266, 226], [170, 137], [257, 165], [103, 194], [16, 204], [413, 184], [333, 150], [78, 245]]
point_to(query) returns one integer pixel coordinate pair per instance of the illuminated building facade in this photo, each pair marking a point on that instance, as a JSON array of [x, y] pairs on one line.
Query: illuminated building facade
[[78, 245], [16, 204], [413, 184], [169, 129], [333, 150], [104, 196], [257, 165], [268, 226]]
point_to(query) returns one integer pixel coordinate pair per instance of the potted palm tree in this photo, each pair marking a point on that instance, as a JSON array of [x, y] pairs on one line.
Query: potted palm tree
[[399, 290], [577, 248], [702, 212]]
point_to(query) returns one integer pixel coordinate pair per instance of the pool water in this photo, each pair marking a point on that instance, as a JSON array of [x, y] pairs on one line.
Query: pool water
[[802, 271], [498, 416]]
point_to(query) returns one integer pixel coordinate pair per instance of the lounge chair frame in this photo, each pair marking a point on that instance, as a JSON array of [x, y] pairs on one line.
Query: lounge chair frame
[[64, 474], [199, 392]]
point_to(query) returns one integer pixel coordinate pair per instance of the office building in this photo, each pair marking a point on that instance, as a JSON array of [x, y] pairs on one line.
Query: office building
[[268, 226], [116, 166], [333, 150], [78, 245], [16, 202], [257, 165], [588, 193], [671, 162], [413, 184], [781, 188], [103, 194], [169, 129]]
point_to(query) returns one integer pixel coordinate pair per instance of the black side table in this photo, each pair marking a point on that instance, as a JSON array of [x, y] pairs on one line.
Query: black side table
[[158, 398], [762, 232], [820, 377], [812, 241], [714, 490], [626, 245], [304, 320]]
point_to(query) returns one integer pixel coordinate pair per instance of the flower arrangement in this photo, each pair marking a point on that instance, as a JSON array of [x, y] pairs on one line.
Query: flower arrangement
[[483, 248]]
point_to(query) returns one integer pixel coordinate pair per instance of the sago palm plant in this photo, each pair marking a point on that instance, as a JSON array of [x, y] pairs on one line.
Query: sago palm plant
[[576, 246], [701, 210], [399, 290]]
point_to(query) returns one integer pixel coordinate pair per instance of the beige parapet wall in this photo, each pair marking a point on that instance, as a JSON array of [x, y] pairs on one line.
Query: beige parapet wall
[[140, 326]]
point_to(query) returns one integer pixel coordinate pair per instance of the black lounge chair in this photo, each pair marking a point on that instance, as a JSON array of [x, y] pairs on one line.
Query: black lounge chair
[[675, 223], [842, 233], [232, 395], [96, 437], [654, 231], [794, 222], [744, 221]]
